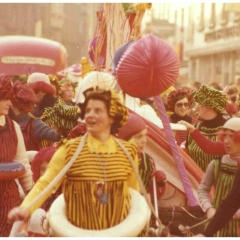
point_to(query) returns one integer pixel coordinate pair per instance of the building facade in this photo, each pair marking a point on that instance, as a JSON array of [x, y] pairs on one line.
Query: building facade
[[71, 24], [206, 37], [212, 43]]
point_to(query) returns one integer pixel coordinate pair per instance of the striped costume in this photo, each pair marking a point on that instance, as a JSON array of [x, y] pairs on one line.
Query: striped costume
[[46, 143], [224, 178], [208, 129], [81, 182], [9, 195], [146, 167]]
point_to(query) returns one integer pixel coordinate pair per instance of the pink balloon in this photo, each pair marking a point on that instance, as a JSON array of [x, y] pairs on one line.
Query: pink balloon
[[148, 67]]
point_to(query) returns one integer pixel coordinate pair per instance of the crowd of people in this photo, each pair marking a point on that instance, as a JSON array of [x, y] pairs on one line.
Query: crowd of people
[[40, 115]]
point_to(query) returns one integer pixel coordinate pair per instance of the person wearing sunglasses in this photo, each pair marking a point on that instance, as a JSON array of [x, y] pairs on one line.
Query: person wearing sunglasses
[[179, 102]]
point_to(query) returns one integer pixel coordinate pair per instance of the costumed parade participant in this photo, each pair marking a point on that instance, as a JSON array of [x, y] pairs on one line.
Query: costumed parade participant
[[61, 117], [96, 195], [226, 209], [232, 92], [39, 166], [34, 129], [55, 84], [221, 174], [12, 150], [208, 146], [44, 92], [211, 104], [68, 91], [34, 226], [179, 101], [135, 130], [203, 142], [57, 87], [164, 97]]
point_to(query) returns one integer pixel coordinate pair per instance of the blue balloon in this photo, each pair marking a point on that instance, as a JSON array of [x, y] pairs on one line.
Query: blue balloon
[[118, 54]]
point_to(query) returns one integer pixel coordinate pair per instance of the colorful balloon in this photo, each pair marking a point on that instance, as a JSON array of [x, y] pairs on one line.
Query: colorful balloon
[[148, 67]]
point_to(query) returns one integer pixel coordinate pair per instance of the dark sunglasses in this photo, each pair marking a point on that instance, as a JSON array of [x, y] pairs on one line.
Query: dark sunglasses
[[180, 105]]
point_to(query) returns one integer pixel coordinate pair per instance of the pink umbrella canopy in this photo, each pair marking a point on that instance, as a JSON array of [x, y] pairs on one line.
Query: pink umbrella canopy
[[148, 67], [75, 69]]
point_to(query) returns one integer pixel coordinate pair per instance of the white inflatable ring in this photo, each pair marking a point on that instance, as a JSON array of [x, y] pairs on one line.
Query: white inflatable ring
[[134, 223]]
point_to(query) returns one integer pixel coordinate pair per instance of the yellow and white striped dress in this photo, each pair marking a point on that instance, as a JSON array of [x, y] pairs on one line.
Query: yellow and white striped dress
[[83, 207]]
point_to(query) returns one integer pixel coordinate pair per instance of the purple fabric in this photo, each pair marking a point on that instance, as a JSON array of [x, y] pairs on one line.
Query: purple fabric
[[175, 152], [119, 52], [91, 51]]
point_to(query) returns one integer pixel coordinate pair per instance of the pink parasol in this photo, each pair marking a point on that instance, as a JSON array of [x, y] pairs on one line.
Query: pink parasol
[[75, 69]]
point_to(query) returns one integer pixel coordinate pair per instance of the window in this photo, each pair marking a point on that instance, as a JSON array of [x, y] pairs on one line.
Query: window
[[56, 7], [201, 20], [38, 28], [57, 15], [224, 15], [212, 22]]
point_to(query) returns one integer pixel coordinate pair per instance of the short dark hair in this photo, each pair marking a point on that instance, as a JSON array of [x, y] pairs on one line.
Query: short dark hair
[[104, 96]]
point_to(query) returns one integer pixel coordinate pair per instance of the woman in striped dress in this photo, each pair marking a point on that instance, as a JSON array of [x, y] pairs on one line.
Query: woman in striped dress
[[96, 186], [11, 148], [221, 175], [179, 101]]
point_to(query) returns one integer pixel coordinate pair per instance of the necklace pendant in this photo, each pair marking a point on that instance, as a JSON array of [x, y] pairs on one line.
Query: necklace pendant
[[99, 189], [104, 198]]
